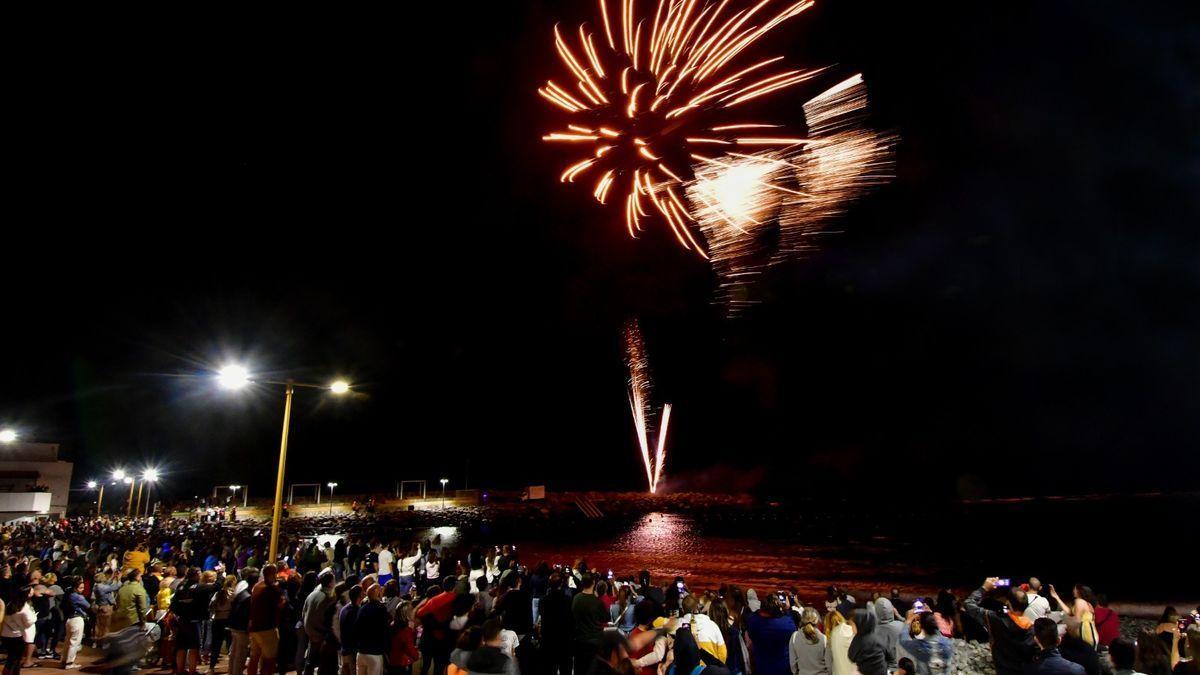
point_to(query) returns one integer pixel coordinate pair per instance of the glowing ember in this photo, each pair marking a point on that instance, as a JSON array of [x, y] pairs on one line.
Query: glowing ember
[[639, 405]]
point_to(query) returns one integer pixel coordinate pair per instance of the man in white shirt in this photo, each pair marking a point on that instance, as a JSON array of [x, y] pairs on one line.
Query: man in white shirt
[[1038, 605], [383, 567]]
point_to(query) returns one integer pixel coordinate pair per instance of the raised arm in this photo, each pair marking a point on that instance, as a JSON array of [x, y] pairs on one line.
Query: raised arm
[[1069, 610]]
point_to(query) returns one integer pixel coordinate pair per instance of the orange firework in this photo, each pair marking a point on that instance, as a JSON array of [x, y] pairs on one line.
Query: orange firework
[[652, 95]]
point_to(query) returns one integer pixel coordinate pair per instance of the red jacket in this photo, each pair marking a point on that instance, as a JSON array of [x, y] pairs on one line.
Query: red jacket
[[1108, 625], [435, 614], [403, 652]]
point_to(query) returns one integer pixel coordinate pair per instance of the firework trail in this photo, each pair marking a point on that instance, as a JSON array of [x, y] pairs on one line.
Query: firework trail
[[639, 405]]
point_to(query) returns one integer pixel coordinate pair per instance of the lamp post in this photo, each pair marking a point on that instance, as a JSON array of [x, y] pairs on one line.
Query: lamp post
[[444, 481], [92, 485], [130, 482], [331, 488], [148, 476], [118, 476], [237, 377]]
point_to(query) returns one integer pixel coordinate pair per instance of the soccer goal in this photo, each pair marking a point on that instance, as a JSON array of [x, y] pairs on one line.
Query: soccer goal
[[411, 488], [316, 488]]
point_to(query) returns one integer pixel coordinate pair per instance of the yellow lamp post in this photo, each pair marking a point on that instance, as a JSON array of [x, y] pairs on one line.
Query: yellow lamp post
[[238, 377]]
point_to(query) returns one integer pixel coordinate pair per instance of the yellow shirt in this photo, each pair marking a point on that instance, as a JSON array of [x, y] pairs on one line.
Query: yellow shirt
[[135, 560]]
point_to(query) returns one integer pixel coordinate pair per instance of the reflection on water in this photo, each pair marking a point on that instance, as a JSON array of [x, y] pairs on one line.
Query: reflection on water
[[670, 545]]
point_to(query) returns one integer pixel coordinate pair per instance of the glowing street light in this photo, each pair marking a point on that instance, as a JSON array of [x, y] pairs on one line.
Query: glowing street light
[[8, 435], [236, 376], [443, 482], [118, 475], [130, 481], [233, 376], [92, 485], [148, 476], [331, 488]]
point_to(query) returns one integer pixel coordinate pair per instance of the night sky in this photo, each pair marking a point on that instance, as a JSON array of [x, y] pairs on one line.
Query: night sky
[[367, 196]]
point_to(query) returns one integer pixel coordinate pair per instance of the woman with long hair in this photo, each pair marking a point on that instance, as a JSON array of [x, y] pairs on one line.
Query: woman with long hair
[[945, 612], [219, 608], [18, 631], [735, 660], [839, 634], [808, 650], [1082, 607], [402, 652], [1152, 657], [621, 611]]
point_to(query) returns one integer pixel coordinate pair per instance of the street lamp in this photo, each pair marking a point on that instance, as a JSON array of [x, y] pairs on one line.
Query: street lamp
[[128, 480], [92, 485], [444, 481], [148, 476], [235, 377], [331, 488], [8, 435], [245, 495]]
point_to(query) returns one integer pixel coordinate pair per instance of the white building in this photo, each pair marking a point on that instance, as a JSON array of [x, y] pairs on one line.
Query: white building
[[33, 481]]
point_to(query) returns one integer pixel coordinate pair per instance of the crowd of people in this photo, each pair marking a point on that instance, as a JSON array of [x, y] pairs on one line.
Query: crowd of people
[[197, 592]]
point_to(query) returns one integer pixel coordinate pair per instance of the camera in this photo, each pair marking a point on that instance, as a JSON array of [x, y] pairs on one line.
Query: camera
[[1003, 583]]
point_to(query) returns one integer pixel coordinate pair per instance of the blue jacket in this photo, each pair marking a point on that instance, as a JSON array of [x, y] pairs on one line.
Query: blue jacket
[[771, 637], [930, 655]]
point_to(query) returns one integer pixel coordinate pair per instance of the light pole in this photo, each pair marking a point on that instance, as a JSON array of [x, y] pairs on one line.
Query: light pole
[[444, 481], [331, 488], [148, 476], [92, 485], [118, 476], [128, 480], [237, 377]]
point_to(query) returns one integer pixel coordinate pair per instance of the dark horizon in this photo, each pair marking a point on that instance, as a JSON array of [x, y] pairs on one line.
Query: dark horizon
[[1014, 314]]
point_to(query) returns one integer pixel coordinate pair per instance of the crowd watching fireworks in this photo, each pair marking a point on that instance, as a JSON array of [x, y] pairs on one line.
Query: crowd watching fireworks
[[186, 595]]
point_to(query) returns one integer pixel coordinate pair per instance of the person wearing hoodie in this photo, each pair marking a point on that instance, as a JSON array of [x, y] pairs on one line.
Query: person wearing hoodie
[[689, 658], [867, 648], [889, 630], [807, 650], [770, 630]]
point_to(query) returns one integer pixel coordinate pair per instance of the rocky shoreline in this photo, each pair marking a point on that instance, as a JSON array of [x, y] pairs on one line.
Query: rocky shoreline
[[975, 658]]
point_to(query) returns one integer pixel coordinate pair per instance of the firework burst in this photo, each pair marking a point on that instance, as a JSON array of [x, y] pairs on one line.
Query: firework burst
[[639, 405], [757, 209], [653, 95]]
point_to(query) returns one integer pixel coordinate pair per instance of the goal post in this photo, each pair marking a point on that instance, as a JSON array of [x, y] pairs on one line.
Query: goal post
[[316, 491], [411, 487]]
